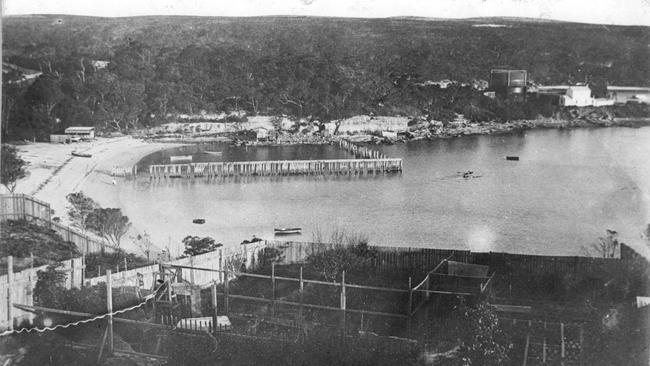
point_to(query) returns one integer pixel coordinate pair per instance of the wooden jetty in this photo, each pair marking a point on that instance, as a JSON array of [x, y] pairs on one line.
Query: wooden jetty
[[119, 171], [280, 167], [362, 152]]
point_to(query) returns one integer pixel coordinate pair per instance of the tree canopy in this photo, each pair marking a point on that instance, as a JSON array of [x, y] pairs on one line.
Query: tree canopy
[[12, 167], [115, 74], [82, 207], [195, 245], [109, 223]]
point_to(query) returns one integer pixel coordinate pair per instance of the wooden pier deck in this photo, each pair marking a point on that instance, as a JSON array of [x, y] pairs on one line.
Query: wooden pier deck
[[280, 167]]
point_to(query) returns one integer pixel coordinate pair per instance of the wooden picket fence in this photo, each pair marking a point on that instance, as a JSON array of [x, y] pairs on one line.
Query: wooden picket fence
[[25, 207], [18, 288], [218, 260], [391, 259]]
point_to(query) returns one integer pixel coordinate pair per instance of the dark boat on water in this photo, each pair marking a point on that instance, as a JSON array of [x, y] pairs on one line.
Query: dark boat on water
[[199, 221], [515, 158], [81, 155], [287, 230]]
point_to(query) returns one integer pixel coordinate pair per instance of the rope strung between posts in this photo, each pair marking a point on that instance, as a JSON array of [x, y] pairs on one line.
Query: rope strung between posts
[[41, 330]]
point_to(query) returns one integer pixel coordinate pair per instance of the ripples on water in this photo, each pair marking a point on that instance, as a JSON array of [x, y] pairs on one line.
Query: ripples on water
[[568, 187]]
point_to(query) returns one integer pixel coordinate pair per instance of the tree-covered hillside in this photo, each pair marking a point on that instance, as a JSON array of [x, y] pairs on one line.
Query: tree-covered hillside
[[327, 68]]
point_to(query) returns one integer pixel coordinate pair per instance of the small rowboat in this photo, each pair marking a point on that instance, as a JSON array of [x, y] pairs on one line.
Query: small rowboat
[[515, 158], [216, 153], [81, 155], [287, 230], [180, 158]]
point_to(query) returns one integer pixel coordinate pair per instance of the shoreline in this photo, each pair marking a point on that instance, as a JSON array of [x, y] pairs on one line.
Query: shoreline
[[53, 173], [420, 130]]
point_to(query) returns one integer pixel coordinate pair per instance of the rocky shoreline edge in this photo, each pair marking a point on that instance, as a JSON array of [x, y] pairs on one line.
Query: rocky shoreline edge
[[419, 130]]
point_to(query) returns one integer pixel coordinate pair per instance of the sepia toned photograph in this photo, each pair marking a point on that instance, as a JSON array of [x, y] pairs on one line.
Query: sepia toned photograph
[[315, 183]]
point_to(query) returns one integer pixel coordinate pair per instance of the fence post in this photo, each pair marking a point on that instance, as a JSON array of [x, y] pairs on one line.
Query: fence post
[[273, 289], [215, 323], [562, 340], [109, 305], [582, 343], [71, 273], [10, 280], [410, 305], [221, 274], [83, 270], [301, 294], [192, 270], [225, 282], [343, 302], [526, 349]]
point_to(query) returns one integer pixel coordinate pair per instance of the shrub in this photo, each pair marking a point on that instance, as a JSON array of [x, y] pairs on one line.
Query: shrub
[[195, 245], [482, 340]]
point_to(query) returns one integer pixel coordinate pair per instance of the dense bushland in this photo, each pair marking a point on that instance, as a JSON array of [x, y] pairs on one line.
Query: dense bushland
[[303, 67]]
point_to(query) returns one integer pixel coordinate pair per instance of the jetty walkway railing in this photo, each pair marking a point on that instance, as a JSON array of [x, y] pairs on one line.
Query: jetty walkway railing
[[281, 167]]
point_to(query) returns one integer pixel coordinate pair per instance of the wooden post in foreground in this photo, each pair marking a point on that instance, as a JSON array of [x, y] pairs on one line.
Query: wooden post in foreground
[[582, 345], [562, 340], [410, 305], [302, 289], [526, 349], [10, 280], [273, 289], [109, 305], [343, 302], [215, 323], [225, 282]]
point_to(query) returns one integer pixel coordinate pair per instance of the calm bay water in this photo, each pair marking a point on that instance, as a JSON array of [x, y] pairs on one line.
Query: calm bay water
[[568, 187]]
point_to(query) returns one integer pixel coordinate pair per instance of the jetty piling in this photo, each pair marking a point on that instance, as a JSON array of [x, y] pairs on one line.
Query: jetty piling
[[118, 171], [367, 161], [276, 168]]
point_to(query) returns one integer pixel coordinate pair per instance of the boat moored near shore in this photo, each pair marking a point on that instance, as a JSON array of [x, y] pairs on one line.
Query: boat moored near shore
[[287, 231]]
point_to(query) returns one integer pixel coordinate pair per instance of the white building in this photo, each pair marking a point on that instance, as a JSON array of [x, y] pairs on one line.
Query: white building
[[578, 96], [624, 94], [80, 132], [262, 133]]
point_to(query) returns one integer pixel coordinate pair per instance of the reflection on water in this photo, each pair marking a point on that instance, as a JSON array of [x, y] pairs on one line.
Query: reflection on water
[[568, 187], [227, 152]]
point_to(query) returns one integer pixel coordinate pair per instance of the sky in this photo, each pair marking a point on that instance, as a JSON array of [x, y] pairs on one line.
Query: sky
[[626, 12]]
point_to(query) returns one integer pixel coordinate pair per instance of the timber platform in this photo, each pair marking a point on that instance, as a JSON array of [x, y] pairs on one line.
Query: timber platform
[[280, 167]]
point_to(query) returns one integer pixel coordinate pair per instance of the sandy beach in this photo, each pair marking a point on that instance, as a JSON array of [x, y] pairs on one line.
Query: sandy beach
[[53, 172]]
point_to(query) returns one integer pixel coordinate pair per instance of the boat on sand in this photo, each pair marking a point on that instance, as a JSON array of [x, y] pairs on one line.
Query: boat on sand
[[287, 230], [81, 155]]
